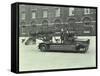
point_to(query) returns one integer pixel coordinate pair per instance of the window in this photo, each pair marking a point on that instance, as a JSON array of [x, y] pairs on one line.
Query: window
[[33, 14], [33, 23], [86, 11], [45, 14], [87, 21], [86, 31], [23, 30], [23, 16], [45, 23], [57, 22], [71, 10], [57, 12]]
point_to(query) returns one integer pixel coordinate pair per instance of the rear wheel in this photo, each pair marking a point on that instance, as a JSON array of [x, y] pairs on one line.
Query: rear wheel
[[43, 47]]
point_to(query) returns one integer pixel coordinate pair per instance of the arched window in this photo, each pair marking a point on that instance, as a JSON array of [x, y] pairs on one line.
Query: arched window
[[45, 23], [87, 21], [45, 26], [71, 20], [71, 24], [22, 28], [57, 24], [33, 23], [87, 27]]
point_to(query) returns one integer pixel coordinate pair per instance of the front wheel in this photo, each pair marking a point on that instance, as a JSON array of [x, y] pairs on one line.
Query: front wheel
[[81, 49]]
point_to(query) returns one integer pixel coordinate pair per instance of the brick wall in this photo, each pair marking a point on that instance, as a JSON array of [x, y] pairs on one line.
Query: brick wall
[[76, 21]]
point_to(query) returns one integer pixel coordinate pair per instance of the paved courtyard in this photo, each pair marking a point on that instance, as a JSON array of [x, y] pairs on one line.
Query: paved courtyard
[[31, 58]]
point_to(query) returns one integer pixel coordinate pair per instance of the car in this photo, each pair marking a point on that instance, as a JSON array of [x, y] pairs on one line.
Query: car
[[27, 40]]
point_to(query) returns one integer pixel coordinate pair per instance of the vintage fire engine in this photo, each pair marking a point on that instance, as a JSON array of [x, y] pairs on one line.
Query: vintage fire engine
[[64, 42]]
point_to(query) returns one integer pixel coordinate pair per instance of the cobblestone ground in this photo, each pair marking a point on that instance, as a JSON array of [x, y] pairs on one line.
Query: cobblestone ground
[[31, 58]]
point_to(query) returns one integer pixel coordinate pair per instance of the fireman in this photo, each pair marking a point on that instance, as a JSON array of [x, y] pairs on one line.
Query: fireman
[[62, 35]]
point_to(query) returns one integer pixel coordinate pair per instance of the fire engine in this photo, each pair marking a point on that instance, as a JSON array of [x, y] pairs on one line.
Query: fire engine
[[64, 42]]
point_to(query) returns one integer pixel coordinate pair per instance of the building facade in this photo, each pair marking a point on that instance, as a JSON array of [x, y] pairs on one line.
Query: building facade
[[35, 19]]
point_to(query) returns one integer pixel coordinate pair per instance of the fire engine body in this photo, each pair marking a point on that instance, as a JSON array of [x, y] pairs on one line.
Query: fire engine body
[[66, 42]]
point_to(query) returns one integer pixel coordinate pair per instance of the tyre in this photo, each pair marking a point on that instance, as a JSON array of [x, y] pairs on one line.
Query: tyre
[[43, 48], [84, 50], [81, 49]]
